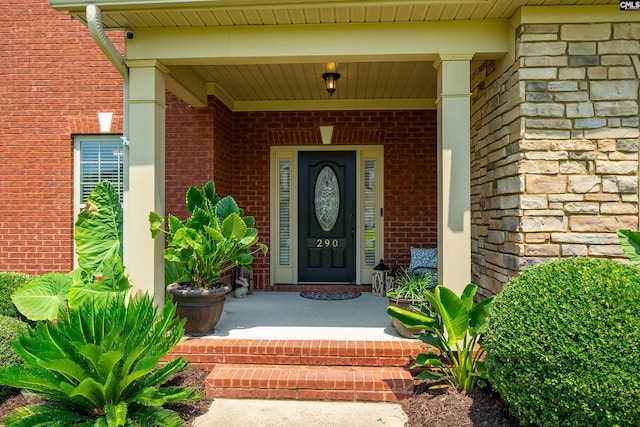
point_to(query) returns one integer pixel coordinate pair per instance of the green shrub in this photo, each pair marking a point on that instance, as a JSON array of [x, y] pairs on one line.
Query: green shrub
[[10, 327], [563, 344], [9, 282]]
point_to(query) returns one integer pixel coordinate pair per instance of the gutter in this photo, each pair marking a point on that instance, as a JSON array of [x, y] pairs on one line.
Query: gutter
[[94, 23]]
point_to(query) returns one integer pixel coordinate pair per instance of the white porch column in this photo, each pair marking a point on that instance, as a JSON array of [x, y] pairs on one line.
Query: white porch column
[[147, 104], [454, 171]]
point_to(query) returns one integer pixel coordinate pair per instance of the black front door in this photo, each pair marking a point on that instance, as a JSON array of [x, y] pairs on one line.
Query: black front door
[[327, 216]]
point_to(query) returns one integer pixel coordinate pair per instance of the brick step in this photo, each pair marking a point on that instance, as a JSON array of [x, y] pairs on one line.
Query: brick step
[[209, 353], [300, 382], [304, 369]]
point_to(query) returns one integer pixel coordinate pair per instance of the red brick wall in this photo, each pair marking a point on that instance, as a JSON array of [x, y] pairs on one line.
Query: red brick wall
[[54, 82], [189, 152], [224, 170], [409, 139], [196, 141]]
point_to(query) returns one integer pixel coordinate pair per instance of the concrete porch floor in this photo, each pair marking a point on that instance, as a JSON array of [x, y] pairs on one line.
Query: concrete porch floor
[[287, 315]]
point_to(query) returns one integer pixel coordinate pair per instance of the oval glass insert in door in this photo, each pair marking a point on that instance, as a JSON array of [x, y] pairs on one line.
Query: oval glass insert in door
[[327, 198]]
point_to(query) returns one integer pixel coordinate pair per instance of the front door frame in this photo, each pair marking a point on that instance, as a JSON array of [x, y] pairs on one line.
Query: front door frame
[[284, 265]]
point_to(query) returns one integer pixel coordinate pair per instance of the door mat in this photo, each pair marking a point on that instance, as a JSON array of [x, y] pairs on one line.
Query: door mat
[[330, 296]]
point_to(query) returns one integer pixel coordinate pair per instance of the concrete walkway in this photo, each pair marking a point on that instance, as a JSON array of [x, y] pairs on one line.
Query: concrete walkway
[[286, 315], [286, 413]]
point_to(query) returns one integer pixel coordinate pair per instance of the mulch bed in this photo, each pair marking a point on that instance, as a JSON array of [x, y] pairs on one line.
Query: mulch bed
[[443, 408], [449, 407]]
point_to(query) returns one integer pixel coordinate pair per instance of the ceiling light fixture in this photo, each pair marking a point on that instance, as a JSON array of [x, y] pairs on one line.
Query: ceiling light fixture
[[330, 81]]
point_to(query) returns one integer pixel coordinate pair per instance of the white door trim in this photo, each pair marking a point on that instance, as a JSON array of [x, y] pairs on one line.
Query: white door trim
[[284, 246]]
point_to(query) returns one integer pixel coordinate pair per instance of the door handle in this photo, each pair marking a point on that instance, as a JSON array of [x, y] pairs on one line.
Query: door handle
[[353, 232]]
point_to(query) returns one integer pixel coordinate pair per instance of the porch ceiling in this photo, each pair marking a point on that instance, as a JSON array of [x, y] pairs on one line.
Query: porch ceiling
[[406, 80], [364, 82]]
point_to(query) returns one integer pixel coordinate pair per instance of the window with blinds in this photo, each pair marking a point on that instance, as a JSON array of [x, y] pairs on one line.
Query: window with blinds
[[98, 158], [370, 212], [284, 206]]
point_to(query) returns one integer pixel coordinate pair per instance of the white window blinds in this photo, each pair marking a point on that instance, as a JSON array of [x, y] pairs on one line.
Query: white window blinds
[[98, 158], [284, 206]]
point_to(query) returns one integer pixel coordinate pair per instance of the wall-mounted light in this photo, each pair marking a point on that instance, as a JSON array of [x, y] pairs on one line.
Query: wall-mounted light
[[105, 122], [330, 81], [326, 133]]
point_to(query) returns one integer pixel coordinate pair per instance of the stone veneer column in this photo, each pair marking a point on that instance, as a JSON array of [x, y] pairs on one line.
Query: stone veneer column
[[145, 263], [454, 209], [555, 148]]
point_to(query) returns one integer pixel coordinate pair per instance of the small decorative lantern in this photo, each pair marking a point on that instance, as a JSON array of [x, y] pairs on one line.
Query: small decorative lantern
[[379, 279], [390, 283]]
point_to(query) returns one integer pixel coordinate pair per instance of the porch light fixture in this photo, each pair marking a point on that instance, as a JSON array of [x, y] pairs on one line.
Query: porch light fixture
[[330, 81]]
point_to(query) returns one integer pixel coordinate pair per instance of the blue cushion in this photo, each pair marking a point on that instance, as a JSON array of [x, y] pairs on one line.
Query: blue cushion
[[423, 257]]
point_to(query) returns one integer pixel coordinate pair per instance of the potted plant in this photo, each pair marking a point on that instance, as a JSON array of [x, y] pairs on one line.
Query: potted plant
[[409, 290], [201, 249]]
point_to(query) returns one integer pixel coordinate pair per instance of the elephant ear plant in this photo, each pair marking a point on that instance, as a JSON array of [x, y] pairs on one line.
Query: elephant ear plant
[[97, 365], [214, 239], [98, 237], [453, 325], [630, 243]]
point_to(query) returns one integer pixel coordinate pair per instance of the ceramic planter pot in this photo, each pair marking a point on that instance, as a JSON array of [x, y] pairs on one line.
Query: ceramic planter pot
[[402, 330], [201, 307]]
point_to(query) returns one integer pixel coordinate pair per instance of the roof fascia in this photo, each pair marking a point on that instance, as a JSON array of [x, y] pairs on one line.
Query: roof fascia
[[576, 14], [124, 5]]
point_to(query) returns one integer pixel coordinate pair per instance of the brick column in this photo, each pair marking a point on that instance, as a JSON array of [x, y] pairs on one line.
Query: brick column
[[454, 176], [145, 263]]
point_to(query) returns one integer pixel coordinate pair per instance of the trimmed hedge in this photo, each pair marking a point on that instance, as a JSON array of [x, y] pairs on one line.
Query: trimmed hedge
[[10, 327], [563, 345], [9, 282]]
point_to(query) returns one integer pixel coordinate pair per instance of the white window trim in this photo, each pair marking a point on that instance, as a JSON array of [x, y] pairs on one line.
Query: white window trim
[[77, 203], [77, 140]]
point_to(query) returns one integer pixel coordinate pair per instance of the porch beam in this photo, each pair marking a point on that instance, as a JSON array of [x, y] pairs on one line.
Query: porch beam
[[145, 263], [454, 171], [312, 43], [187, 85]]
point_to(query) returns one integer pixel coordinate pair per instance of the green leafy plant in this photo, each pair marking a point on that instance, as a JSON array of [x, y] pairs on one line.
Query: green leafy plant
[[10, 328], [98, 237], [98, 365], [454, 326], [215, 238], [410, 285], [562, 344], [630, 243]]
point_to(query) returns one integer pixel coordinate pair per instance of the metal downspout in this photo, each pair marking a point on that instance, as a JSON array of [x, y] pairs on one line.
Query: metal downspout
[[94, 23]]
